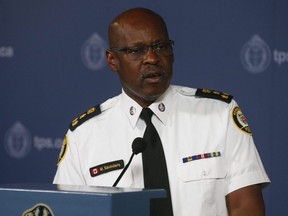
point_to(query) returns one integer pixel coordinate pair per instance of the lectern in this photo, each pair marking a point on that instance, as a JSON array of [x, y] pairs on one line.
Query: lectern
[[65, 200]]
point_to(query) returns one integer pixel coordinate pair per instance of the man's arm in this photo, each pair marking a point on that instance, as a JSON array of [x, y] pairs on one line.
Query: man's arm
[[246, 201]]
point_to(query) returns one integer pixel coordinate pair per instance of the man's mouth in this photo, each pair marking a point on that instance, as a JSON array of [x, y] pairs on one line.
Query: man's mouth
[[152, 78], [152, 75]]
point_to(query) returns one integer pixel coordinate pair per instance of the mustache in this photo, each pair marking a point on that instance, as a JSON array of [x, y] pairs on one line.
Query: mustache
[[152, 71]]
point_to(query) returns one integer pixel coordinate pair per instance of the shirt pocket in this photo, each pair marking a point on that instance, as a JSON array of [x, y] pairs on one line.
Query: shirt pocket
[[204, 182], [208, 168]]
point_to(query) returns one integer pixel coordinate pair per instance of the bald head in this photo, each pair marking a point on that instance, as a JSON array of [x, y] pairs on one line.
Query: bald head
[[136, 19]]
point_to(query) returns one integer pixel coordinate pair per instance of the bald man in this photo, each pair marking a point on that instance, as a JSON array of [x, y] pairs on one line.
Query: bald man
[[212, 163]]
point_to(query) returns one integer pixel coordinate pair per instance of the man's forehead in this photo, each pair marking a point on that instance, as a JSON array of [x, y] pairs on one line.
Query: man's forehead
[[131, 35], [137, 26]]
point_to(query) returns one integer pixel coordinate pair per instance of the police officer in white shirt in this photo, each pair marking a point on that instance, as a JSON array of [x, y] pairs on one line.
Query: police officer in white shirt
[[212, 162]]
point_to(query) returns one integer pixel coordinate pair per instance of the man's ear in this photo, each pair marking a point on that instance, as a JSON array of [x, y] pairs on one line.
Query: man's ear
[[111, 60]]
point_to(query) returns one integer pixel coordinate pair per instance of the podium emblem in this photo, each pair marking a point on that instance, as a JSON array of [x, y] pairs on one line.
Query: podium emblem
[[39, 209]]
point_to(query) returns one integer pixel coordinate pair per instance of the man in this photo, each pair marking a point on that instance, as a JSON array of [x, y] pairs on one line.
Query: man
[[212, 162]]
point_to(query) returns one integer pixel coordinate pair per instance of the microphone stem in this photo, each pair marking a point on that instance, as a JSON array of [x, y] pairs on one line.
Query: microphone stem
[[123, 171]]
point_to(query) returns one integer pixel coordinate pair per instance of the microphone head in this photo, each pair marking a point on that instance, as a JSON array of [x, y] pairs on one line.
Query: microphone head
[[138, 145]]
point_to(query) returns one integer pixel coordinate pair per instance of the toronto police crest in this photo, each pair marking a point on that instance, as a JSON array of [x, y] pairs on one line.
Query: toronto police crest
[[93, 52], [240, 120], [255, 55], [38, 210]]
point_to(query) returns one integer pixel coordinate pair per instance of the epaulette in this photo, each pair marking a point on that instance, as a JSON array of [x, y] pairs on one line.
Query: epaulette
[[94, 111], [214, 94]]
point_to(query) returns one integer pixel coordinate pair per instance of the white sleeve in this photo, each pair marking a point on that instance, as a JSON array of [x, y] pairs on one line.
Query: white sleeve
[[69, 169], [243, 161]]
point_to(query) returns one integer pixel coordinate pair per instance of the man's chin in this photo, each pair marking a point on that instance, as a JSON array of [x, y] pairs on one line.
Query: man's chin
[[152, 96]]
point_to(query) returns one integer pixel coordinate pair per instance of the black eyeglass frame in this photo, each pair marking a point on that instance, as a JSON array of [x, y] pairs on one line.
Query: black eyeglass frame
[[152, 46]]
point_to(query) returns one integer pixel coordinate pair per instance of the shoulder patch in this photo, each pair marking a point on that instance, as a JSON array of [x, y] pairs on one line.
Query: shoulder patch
[[240, 120], [94, 111], [214, 94], [64, 149]]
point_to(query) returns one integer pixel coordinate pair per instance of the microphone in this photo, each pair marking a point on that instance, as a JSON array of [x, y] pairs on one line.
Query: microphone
[[138, 145]]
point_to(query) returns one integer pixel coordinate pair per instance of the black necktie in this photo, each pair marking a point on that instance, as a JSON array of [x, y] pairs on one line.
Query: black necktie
[[154, 167]]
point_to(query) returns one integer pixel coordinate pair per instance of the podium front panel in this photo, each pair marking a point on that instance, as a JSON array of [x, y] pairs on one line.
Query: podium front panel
[[63, 200]]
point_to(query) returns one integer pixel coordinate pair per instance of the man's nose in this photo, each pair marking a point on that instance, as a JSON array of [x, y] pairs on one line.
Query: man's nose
[[151, 56]]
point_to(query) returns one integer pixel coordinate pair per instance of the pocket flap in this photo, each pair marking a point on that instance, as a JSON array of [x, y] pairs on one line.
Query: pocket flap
[[208, 168]]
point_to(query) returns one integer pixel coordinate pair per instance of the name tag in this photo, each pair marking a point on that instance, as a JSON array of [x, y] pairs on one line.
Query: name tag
[[106, 167]]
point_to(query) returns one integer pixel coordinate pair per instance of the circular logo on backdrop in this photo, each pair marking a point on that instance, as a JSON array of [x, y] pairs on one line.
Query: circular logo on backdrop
[[17, 141], [255, 55], [93, 52]]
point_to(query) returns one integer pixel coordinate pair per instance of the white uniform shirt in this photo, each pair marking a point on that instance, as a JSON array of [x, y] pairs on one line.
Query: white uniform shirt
[[212, 135]]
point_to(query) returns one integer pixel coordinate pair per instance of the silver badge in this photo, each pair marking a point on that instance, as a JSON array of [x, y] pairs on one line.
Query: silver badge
[[132, 110], [161, 107]]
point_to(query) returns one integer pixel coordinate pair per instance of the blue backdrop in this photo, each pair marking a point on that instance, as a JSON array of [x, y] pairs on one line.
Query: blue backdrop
[[52, 68]]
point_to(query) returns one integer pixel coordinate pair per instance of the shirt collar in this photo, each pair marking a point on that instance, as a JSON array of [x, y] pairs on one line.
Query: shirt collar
[[131, 108], [161, 107]]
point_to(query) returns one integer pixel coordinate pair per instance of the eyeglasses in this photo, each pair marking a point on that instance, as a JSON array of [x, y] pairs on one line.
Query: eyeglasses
[[135, 53]]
